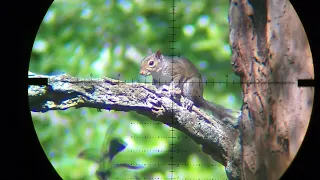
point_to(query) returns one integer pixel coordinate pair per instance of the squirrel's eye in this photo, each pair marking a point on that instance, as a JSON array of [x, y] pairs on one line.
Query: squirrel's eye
[[151, 63]]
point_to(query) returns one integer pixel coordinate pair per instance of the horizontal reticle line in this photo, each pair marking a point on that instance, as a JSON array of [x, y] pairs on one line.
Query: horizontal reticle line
[[301, 82]]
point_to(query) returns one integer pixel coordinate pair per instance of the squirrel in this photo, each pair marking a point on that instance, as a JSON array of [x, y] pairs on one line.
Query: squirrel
[[181, 73]]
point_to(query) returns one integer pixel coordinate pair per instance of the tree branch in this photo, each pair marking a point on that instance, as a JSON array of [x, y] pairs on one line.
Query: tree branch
[[64, 91]]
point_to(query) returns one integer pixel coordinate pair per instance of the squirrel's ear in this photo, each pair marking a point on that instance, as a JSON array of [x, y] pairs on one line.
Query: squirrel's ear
[[149, 51], [159, 55]]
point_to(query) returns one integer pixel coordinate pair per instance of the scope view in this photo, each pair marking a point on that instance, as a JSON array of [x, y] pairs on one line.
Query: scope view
[[134, 41]]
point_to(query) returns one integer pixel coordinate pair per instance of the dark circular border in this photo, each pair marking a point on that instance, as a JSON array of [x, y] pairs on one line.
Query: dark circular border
[[23, 155]]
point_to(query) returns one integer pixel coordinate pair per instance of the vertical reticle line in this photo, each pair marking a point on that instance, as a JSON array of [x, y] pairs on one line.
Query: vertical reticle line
[[172, 57]]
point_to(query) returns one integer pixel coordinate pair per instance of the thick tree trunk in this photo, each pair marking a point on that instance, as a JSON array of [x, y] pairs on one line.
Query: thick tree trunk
[[269, 44]]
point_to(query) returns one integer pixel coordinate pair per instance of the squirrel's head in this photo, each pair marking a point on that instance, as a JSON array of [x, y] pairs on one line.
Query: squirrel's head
[[151, 63]]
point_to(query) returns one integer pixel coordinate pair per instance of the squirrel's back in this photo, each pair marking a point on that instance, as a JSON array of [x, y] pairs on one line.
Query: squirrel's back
[[181, 63]]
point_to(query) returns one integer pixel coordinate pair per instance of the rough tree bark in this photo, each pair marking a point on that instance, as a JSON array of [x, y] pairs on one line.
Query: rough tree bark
[[269, 44]]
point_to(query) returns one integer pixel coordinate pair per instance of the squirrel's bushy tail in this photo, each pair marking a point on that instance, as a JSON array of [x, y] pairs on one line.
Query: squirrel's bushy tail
[[219, 111]]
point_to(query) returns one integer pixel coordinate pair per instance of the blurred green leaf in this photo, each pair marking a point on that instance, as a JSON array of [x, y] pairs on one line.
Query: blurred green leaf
[[116, 146], [91, 154]]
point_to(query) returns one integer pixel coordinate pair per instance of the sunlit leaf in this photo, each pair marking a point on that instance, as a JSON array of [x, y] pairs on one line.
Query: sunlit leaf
[[104, 163]]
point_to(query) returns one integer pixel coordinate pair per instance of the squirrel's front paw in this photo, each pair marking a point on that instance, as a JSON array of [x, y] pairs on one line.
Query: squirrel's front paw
[[157, 107], [187, 103], [158, 110]]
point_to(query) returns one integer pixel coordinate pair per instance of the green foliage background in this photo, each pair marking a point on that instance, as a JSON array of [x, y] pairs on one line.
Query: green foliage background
[[107, 38]]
